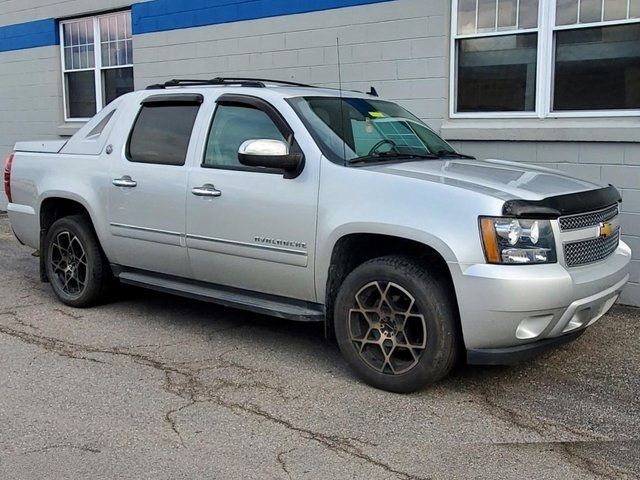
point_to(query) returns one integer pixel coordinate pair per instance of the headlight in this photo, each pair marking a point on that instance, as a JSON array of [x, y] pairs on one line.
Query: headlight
[[517, 241]]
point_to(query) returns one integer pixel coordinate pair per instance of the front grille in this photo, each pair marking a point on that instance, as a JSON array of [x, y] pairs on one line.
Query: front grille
[[584, 220], [590, 251]]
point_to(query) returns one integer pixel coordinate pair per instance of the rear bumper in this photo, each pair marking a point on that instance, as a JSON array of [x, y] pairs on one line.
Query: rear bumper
[[520, 353]]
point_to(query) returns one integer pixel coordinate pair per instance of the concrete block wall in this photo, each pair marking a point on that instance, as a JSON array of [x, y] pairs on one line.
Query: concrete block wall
[[604, 163], [400, 47], [20, 11], [30, 99]]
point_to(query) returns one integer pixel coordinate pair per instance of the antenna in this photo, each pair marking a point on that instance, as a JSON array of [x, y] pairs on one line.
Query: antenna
[[342, 119]]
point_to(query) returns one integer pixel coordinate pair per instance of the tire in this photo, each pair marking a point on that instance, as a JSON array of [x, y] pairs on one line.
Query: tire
[[396, 324], [75, 264]]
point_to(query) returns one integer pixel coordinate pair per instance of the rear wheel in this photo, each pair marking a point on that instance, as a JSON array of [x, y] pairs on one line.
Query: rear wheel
[[395, 324], [76, 267]]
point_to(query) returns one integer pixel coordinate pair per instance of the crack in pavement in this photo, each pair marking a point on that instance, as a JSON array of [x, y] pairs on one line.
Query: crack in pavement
[[281, 461], [46, 448], [195, 391], [68, 314], [600, 470], [535, 424], [16, 318], [541, 426]]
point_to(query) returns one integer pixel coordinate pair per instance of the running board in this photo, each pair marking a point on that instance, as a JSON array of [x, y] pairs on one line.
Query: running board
[[229, 297]]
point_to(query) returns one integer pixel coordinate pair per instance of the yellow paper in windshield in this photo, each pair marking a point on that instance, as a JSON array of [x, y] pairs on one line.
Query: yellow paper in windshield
[[376, 114]]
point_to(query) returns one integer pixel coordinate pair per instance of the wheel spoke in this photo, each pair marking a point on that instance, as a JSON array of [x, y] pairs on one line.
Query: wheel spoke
[[390, 312], [69, 263]]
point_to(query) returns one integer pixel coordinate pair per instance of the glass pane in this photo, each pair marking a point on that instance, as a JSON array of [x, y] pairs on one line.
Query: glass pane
[[590, 11], [120, 28], [89, 24], [82, 32], [634, 9], [91, 56], [75, 34], [497, 74], [161, 134], [598, 68], [466, 16], [127, 24], [129, 52], [84, 63], [507, 10], [122, 54], [117, 81], [112, 28], [615, 9], [486, 15], [75, 58], [104, 29], [566, 12], [66, 28], [81, 94], [232, 126], [528, 14], [104, 50], [113, 53], [68, 58]]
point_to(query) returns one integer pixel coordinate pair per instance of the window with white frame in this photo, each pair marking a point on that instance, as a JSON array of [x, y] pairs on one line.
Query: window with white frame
[[545, 58], [97, 62]]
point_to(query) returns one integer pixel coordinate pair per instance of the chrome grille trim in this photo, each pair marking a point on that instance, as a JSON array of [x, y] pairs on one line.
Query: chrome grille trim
[[584, 252], [590, 219]]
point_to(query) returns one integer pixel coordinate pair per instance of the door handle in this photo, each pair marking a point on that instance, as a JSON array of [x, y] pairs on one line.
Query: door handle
[[125, 182], [206, 190]]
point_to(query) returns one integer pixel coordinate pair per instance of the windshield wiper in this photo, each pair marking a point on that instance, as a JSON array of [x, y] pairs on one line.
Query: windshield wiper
[[448, 154], [391, 155]]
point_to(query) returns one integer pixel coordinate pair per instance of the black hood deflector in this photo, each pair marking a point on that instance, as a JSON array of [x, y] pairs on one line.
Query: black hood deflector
[[562, 205]]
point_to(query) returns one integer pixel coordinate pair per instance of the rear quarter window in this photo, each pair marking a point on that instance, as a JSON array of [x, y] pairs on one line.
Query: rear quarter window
[[161, 134]]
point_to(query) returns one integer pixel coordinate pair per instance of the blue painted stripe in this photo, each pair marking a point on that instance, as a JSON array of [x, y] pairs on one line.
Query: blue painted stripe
[[40, 33], [161, 15]]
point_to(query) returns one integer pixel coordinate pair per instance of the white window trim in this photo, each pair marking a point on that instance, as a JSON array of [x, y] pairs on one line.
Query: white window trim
[[545, 67], [97, 68]]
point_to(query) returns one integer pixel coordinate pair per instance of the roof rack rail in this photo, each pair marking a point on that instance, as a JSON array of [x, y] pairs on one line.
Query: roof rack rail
[[242, 82]]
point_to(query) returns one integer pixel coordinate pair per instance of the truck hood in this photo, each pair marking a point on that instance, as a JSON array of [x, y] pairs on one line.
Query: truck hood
[[497, 178]]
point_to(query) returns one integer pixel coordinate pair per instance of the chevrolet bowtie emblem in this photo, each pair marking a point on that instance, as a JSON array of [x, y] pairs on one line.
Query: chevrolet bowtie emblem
[[606, 230]]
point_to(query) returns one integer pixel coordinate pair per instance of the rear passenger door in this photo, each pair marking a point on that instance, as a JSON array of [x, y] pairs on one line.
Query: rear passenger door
[[250, 227], [148, 184]]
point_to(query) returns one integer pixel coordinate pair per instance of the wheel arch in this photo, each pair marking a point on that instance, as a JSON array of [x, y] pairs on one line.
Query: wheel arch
[[353, 248], [56, 205]]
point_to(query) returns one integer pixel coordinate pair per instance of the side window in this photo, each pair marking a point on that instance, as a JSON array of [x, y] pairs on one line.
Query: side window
[[233, 125], [161, 134]]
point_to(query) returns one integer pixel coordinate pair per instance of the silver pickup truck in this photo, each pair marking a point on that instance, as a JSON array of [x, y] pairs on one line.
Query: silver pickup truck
[[321, 205]]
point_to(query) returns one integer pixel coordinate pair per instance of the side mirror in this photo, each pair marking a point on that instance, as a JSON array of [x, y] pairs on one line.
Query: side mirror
[[269, 154]]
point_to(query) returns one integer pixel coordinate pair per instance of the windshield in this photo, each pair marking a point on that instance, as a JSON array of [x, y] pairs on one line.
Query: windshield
[[349, 130]]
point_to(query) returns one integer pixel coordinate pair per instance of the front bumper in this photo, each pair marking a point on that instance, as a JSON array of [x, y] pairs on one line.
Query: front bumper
[[514, 311], [520, 353]]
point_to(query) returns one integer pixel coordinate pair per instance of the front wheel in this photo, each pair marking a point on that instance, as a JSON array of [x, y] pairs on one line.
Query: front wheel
[[395, 324], [76, 267]]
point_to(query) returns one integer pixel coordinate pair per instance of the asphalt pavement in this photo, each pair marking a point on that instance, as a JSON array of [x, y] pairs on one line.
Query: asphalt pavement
[[151, 386]]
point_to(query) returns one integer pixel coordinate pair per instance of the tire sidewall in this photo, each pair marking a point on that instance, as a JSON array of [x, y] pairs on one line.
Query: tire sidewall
[[434, 305], [77, 227]]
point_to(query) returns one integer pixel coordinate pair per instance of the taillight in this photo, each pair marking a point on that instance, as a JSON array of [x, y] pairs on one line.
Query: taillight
[[7, 176]]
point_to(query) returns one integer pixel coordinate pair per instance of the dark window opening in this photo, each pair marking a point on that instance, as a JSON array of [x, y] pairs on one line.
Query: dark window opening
[[161, 134], [497, 74]]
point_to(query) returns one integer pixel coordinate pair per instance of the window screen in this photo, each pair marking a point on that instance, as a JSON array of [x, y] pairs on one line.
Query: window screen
[[232, 126], [161, 134]]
